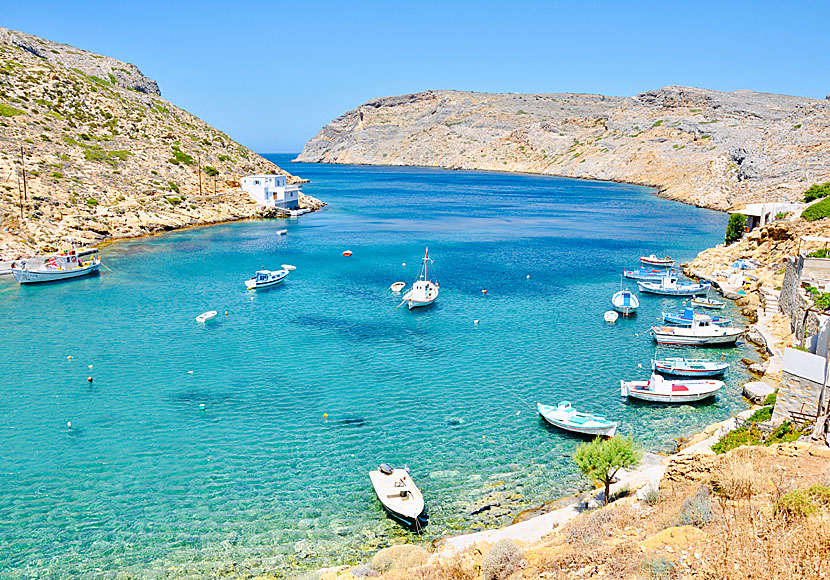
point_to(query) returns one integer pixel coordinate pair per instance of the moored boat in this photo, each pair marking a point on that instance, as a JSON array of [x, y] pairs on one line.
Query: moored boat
[[689, 367], [397, 286], [399, 496], [686, 317], [424, 291], [288, 267], [659, 390], [706, 302], [610, 316], [206, 316], [701, 332], [670, 287], [653, 260], [56, 267], [566, 417], [625, 302], [265, 279], [650, 274]]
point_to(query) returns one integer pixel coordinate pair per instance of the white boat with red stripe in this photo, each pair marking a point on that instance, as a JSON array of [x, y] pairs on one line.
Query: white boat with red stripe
[[660, 390]]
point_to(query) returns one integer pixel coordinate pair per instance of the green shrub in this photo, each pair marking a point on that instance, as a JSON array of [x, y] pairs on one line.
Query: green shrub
[[823, 253], [660, 568], [91, 201], [735, 227], [211, 171], [696, 510], [7, 111], [817, 210], [172, 186], [57, 175], [180, 156], [503, 559], [794, 505], [600, 460], [771, 398], [400, 557], [225, 158], [816, 191], [819, 494], [94, 154]]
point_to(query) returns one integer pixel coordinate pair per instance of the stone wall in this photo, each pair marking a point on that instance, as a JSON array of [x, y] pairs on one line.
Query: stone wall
[[796, 394], [792, 302]]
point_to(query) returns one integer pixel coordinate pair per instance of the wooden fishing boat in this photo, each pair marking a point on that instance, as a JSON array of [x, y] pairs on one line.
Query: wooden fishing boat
[[653, 260], [206, 316], [399, 496], [650, 274], [56, 267], [266, 279], [686, 317], [659, 390], [625, 302], [706, 302], [670, 287], [424, 291], [689, 367], [701, 332], [566, 417]]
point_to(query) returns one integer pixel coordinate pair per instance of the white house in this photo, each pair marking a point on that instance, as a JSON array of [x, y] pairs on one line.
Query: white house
[[272, 191], [760, 214]]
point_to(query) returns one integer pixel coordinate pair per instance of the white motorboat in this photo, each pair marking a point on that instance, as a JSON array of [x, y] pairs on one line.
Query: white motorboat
[[625, 302], [206, 316], [566, 417], [701, 332], [266, 279], [689, 367], [669, 287], [653, 260], [424, 291], [282, 232], [706, 302], [397, 286], [62, 266], [659, 390], [399, 496], [288, 267]]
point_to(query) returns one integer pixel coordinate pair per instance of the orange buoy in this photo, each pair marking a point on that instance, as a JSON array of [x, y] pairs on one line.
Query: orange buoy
[[226, 312], [484, 291], [347, 253]]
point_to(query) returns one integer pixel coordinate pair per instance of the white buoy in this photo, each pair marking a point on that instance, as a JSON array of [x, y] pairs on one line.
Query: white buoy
[[89, 367], [639, 365], [475, 321], [190, 372], [69, 425], [528, 276], [201, 406], [404, 264]]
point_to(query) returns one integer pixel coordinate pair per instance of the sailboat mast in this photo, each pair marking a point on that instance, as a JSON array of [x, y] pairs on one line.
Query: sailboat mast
[[426, 260]]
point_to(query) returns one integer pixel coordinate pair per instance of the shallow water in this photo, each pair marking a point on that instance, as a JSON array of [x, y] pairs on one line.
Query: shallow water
[[146, 482]]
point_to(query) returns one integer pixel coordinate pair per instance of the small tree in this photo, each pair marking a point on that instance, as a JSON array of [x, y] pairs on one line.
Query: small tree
[[601, 459], [735, 227]]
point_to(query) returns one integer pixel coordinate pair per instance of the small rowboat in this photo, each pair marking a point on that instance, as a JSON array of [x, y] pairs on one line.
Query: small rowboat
[[689, 367], [610, 316], [659, 390], [566, 417], [670, 287], [686, 317], [704, 302], [347, 253], [265, 279], [625, 302], [399, 496], [288, 267], [649, 274], [282, 232], [653, 260], [206, 316], [397, 286]]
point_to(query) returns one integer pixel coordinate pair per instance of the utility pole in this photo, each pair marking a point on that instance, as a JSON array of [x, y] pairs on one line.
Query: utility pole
[[199, 157], [23, 166], [20, 196]]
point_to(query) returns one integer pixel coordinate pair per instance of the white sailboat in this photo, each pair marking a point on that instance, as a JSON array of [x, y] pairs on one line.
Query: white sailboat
[[424, 291]]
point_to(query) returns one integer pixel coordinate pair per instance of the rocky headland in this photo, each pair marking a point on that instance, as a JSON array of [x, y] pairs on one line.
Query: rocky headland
[[703, 147], [104, 154]]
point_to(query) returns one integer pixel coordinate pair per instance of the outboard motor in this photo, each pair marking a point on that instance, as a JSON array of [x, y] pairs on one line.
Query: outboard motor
[[385, 469]]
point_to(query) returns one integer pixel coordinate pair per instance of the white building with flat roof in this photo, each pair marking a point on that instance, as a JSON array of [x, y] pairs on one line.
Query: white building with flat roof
[[271, 191]]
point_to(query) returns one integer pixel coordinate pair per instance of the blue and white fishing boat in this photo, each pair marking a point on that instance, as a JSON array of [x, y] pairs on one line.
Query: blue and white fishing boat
[[670, 287], [686, 318], [701, 332], [266, 279], [650, 274], [625, 302], [689, 367], [566, 417], [705, 302]]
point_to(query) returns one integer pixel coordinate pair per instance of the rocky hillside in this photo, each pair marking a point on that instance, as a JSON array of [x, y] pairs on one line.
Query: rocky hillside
[[104, 154], [703, 147]]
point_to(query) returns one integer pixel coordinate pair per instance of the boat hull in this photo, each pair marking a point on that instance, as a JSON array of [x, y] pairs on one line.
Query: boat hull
[[41, 276], [716, 306], [679, 339], [678, 291], [603, 431], [639, 390], [688, 372]]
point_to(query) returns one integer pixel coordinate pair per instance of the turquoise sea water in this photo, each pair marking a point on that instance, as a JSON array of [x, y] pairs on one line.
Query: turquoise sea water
[[146, 483]]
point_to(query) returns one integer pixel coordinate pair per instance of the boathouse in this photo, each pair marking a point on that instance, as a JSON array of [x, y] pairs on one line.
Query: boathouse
[[272, 191]]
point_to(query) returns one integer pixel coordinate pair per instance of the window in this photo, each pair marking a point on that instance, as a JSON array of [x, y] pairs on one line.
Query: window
[[256, 182]]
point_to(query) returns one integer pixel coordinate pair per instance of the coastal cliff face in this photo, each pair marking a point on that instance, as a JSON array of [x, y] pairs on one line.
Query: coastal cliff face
[[703, 147], [104, 154]]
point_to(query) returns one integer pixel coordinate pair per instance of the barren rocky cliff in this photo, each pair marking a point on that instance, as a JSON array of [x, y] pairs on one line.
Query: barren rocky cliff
[[704, 147], [104, 154]]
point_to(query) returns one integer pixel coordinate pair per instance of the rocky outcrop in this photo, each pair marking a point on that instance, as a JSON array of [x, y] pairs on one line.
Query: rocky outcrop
[[698, 146], [104, 154]]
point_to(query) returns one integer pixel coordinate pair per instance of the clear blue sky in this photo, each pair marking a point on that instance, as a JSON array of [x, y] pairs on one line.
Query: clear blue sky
[[270, 74]]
